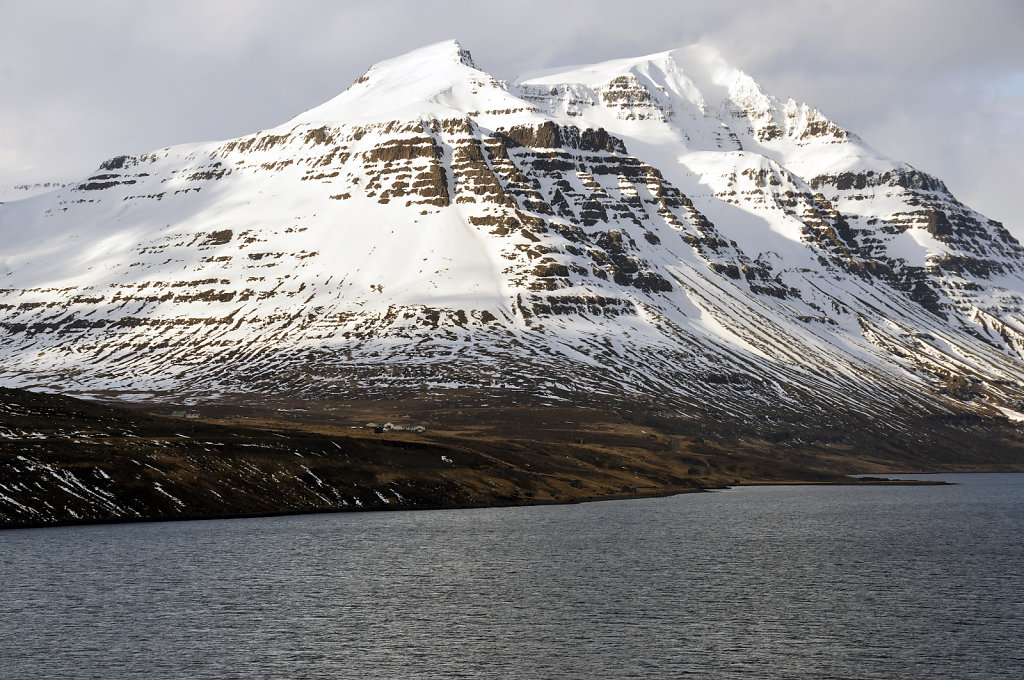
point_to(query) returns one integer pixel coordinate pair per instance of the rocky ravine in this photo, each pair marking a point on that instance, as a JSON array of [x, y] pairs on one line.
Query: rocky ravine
[[654, 231]]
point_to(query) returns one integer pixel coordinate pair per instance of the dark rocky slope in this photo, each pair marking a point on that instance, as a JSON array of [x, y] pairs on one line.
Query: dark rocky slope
[[65, 461]]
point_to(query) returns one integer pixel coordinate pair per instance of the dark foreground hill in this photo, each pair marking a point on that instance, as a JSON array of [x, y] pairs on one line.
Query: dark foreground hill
[[65, 460]]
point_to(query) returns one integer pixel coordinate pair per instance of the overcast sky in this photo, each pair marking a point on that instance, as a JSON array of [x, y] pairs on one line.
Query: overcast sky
[[939, 85]]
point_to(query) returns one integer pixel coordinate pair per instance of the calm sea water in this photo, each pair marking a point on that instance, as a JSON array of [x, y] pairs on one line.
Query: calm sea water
[[765, 582]]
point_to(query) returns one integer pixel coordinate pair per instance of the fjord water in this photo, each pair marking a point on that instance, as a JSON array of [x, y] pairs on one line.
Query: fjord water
[[784, 582]]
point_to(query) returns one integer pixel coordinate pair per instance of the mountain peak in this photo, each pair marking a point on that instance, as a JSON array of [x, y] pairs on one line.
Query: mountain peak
[[464, 56], [446, 52], [417, 78], [698, 67]]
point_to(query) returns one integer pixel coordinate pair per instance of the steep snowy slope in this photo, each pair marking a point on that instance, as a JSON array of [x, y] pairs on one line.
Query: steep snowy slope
[[653, 229]]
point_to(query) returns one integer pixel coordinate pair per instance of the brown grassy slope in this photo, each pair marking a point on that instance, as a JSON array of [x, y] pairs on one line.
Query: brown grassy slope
[[65, 460]]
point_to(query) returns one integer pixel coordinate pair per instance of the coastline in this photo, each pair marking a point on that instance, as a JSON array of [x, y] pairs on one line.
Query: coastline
[[480, 505]]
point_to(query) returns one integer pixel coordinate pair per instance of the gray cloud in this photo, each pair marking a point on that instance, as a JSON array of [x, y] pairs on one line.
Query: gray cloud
[[939, 85]]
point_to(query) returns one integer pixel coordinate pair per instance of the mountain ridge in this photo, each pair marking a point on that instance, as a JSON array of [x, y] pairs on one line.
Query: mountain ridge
[[596, 234]]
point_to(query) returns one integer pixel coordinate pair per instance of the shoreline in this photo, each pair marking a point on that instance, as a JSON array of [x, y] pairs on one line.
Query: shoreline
[[480, 506]]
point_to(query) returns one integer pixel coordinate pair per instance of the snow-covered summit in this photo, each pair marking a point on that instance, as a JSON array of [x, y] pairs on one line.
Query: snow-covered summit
[[697, 72], [427, 81], [696, 96]]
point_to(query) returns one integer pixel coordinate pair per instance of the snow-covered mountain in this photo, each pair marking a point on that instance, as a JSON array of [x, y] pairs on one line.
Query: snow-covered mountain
[[654, 229]]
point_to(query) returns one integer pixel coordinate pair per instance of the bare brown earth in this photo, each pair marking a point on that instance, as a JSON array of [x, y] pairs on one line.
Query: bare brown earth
[[65, 460]]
